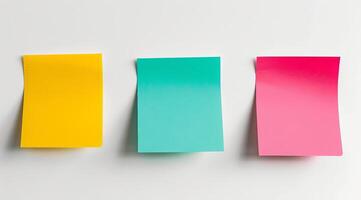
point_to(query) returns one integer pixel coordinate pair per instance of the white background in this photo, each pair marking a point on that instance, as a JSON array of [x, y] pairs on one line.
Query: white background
[[236, 30]]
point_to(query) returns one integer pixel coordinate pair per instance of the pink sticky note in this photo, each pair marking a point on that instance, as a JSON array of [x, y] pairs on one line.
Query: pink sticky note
[[297, 107]]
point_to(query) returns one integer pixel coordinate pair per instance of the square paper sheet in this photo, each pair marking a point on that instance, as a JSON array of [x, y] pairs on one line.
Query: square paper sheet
[[179, 105], [62, 101], [297, 108]]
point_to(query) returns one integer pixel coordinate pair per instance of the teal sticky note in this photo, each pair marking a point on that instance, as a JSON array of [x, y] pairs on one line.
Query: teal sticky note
[[179, 105]]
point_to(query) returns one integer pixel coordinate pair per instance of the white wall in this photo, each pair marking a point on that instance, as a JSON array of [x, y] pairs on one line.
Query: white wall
[[236, 30]]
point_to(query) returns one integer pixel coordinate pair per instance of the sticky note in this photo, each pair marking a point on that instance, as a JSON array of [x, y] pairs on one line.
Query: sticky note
[[297, 107], [179, 105], [62, 101]]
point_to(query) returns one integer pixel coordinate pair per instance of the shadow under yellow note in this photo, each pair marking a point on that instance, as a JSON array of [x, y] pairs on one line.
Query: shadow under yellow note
[[63, 97]]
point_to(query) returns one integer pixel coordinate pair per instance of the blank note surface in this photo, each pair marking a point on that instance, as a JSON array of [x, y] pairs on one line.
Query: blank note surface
[[62, 101], [297, 106], [179, 105]]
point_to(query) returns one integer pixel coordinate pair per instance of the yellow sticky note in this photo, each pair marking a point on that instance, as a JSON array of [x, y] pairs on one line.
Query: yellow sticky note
[[63, 101]]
